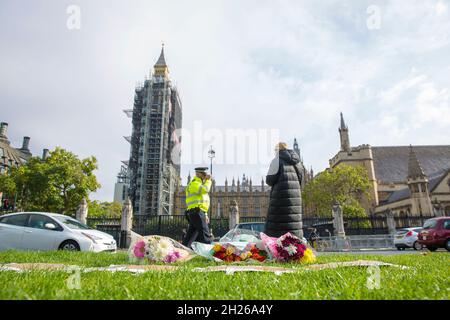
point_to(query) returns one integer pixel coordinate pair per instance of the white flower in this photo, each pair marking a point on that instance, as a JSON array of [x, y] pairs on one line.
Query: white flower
[[165, 245], [162, 249], [291, 249]]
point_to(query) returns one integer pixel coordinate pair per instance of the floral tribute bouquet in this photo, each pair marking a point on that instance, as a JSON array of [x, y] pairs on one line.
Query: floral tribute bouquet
[[229, 253], [158, 249], [288, 248]]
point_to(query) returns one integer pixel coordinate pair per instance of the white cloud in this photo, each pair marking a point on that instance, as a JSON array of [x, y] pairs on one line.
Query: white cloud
[[288, 65]]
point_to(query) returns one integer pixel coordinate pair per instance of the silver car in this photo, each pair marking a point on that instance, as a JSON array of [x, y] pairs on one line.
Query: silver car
[[43, 231], [407, 238]]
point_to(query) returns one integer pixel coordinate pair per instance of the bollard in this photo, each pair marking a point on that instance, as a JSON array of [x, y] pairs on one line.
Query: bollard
[[234, 214], [82, 212], [126, 224]]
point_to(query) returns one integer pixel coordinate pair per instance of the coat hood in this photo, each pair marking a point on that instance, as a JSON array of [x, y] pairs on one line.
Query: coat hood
[[290, 156]]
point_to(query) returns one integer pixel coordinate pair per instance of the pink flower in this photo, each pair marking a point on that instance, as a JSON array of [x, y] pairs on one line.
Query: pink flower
[[139, 249], [172, 257]]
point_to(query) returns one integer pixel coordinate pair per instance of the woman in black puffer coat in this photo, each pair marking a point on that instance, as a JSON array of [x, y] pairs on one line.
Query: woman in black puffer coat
[[285, 206]]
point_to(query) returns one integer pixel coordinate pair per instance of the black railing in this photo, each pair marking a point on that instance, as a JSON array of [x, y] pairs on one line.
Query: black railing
[[176, 225], [5, 211], [93, 222]]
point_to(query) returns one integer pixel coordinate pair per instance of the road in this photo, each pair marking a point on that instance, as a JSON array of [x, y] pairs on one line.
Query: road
[[380, 252]]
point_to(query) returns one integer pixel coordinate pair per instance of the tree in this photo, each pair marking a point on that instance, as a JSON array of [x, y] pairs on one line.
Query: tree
[[99, 209], [69, 179], [7, 185], [56, 184], [345, 184]]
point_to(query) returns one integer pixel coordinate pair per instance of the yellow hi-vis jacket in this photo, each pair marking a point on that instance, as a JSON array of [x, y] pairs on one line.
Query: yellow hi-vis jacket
[[197, 194]]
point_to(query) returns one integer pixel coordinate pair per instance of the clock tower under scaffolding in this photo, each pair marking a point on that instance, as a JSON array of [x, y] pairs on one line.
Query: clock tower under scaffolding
[[154, 164]]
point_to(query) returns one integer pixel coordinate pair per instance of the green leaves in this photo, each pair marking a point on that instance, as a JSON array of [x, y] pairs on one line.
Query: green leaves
[[99, 209], [346, 184], [57, 184]]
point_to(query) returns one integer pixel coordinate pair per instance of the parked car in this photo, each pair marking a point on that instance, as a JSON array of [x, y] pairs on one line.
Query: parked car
[[49, 231], [253, 226], [407, 238], [436, 233]]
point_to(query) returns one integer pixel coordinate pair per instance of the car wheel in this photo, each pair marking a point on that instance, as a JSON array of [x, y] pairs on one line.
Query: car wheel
[[399, 248], [432, 248], [417, 246], [69, 245], [447, 244]]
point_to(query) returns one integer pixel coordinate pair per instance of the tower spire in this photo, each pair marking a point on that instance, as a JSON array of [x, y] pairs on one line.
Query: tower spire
[[414, 168], [296, 148], [343, 125], [418, 186], [160, 67], [344, 136]]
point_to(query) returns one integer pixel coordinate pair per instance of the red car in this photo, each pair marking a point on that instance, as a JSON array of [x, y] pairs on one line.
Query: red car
[[436, 234]]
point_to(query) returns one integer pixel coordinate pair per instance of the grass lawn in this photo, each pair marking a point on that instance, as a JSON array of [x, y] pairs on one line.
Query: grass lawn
[[427, 278]]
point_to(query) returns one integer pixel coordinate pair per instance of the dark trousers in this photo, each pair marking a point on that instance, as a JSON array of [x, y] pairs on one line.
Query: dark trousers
[[198, 228]]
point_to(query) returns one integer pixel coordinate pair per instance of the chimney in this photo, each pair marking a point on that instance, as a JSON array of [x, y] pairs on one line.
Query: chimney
[[26, 144], [45, 154], [3, 129]]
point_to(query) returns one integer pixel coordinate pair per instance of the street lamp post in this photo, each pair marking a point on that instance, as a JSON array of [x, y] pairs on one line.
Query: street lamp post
[[211, 155]]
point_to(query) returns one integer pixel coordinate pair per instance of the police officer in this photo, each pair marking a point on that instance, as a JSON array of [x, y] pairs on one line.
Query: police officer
[[197, 203]]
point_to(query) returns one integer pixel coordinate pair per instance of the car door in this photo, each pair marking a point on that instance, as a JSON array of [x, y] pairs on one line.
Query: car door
[[37, 237], [12, 230], [446, 228]]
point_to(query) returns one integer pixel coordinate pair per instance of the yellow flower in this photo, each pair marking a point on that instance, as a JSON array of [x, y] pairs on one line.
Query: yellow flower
[[308, 256], [217, 247], [230, 251], [244, 256]]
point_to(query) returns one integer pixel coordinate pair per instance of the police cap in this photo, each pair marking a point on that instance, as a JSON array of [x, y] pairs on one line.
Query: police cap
[[201, 169]]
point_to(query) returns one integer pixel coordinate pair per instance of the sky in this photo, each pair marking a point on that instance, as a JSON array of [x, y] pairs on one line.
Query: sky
[[277, 69]]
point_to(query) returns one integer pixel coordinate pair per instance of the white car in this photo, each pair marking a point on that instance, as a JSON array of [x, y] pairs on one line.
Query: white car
[[50, 231], [407, 238]]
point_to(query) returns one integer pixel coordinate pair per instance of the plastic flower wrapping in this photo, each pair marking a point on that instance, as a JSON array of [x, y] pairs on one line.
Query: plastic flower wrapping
[[158, 249], [288, 248], [229, 253], [248, 246]]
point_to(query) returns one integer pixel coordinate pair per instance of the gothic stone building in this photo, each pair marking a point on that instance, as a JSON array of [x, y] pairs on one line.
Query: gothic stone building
[[13, 157], [407, 180], [252, 200], [10, 156]]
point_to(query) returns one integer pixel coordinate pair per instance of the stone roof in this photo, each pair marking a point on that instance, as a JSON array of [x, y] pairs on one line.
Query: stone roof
[[391, 163], [10, 153], [404, 193]]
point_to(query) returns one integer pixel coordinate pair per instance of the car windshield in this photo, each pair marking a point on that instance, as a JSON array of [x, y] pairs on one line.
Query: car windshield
[[71, 223], [258, 227], [245, 226], [429, 224]]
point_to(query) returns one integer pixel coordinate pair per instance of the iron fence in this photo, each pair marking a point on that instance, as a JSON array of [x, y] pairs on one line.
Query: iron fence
[[175, 226], [5, 211]]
